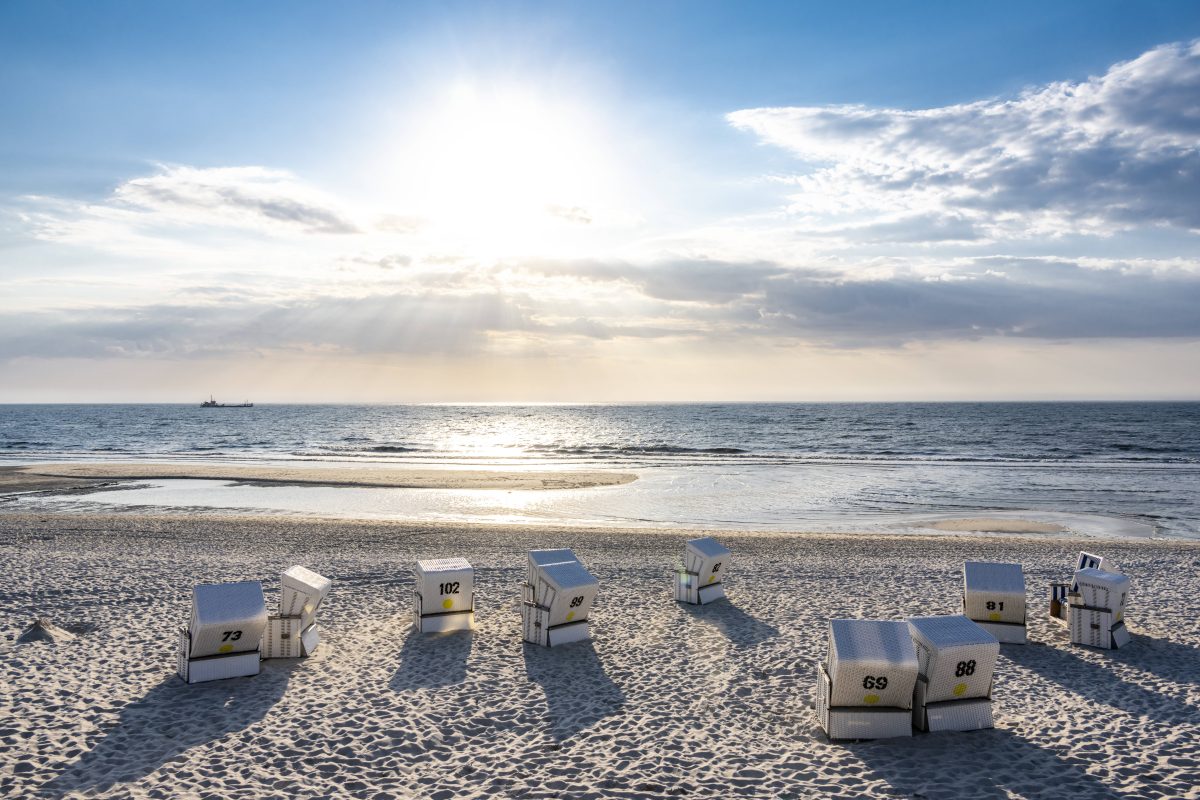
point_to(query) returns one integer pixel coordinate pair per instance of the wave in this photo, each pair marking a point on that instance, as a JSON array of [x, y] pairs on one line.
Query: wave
[[648, 449]]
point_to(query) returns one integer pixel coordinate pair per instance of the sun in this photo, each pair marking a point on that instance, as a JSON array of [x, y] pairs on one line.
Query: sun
[[500, 165]]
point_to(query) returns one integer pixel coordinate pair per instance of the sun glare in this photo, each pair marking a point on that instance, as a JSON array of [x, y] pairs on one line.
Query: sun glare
[[499, 165]]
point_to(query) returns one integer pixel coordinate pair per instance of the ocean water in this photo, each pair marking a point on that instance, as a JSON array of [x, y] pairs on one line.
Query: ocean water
[[796, 466]]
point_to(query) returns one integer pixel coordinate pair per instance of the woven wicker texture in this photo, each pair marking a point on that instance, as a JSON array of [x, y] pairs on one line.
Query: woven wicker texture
[[956, 656], [871, 663], [227, 618], [993, 592], [1095, 628], [1101, 589], [539, 558], [282, 637], [857, 723], [301, 592], [445, 584]]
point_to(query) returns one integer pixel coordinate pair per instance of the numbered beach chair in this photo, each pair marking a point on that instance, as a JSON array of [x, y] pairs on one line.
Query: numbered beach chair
[[559, 599], [994, 599], [293, 632], [223, 634], [444, 596], [705, 562], [956, 659], [865, 688], [1096, 613]]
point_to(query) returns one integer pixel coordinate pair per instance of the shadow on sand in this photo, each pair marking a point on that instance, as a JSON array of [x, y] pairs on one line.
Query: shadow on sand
[[431, 660], [741, 629], [1098, 683], [980, 765], [170, 719], [579, 692]]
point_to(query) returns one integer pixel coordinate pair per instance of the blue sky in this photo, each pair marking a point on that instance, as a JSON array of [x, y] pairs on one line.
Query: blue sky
[[598, 200]]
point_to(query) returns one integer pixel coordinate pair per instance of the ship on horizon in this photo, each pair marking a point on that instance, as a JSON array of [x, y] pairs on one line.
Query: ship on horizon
[[211, 402]]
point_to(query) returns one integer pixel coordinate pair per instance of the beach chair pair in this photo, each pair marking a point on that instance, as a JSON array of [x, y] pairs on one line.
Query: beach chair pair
[[557, 597], [1093, 603], [884, 678], [229, 631]]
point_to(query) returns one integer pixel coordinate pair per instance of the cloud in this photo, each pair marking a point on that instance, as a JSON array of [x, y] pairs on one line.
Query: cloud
[[176, 198], [707, 301], [1117, 151], [1032, 298]]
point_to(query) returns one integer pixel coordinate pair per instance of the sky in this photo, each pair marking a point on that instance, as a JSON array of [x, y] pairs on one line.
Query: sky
[[606, 201]]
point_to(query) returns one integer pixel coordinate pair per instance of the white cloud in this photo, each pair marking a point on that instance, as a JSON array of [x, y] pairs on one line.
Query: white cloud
[[1113, 152]]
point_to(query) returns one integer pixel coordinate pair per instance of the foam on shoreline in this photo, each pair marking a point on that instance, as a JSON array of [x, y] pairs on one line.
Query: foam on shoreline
[[39, 476]]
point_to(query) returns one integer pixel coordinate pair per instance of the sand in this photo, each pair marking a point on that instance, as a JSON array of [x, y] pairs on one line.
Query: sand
[[54, 476], [666, 701]]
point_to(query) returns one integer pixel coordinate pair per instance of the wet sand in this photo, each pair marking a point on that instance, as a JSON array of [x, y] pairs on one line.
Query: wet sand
[[56, 476]]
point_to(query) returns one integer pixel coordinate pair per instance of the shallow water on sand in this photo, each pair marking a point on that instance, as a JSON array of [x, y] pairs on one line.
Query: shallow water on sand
[[784, 466]]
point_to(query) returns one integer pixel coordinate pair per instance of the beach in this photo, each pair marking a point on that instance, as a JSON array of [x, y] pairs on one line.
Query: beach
[[665, 701]]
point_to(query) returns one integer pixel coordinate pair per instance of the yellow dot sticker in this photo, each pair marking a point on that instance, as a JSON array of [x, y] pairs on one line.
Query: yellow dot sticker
[[447, 603], [712, 578], [871, 699], [959, 689], [994, 616], [570, 616], [225, 648]]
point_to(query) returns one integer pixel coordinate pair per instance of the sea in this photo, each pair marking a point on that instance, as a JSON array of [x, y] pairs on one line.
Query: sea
[[1104, 469]]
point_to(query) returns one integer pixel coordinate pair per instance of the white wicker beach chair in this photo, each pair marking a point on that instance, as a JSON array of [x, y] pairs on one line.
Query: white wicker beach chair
[[994, 599], [1096, 615], [957, 659], [705, 563], [224, 632], [444, 595], [865, 690], [564, 593]]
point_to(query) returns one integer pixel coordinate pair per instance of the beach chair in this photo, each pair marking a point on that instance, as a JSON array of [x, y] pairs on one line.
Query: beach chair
[[956, 659], [293, 632], [994, 599], [444, 596], [705, 562], [1096, 613], [1089, 561], [1059, 604], [558, 601], [865, 687], [223, 634]]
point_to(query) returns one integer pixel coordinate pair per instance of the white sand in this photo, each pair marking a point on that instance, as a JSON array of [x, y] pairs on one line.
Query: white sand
[[40, 476], [667, 700]]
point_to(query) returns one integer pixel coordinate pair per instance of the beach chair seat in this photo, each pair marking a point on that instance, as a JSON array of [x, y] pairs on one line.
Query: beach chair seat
[[705, 563], [1096, 615], [444, 595], [564, 593], [288, 637], [994, 599], [224, 632], [956, 660], [865, 686]]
